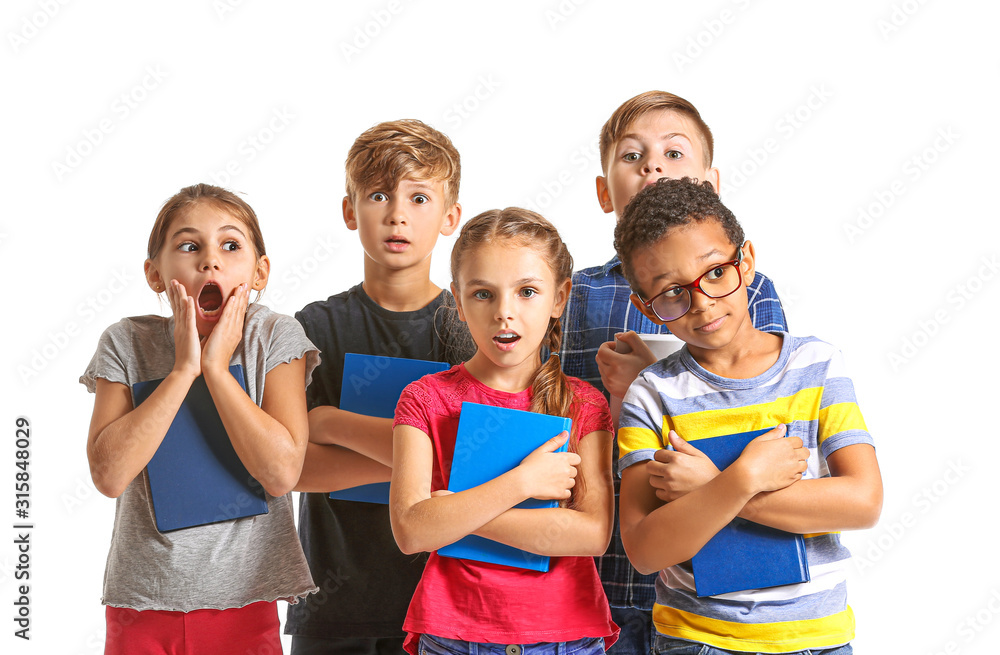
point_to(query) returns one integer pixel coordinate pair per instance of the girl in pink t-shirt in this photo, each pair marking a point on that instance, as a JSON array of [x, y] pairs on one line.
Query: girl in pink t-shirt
[[511, 275]]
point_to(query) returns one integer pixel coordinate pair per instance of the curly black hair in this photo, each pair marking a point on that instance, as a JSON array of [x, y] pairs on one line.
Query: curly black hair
[[667, 204]]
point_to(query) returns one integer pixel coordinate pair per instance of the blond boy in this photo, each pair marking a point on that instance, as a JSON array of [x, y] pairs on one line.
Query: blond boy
[[402, 194]]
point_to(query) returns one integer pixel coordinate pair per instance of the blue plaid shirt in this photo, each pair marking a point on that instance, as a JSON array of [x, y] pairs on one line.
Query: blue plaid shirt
[[599, 307]]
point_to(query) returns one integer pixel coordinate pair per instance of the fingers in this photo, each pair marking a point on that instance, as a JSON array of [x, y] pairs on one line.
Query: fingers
[[681, 445], [554, 443], [623, 343], [776, 433]]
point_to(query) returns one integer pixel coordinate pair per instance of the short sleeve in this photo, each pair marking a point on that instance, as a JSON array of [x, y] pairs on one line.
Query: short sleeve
[[286, 341], [592, 412], [765, 307], [840, 421], [292, 343], [640, 424], [110, 362], [412, 407]]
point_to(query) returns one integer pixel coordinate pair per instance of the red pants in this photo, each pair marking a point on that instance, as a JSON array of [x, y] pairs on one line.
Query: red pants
[[250, 630]]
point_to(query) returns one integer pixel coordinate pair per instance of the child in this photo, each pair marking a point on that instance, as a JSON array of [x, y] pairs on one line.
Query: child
[[402, 193], [511, 275], [653, 135], [685, 257], [212, 587]]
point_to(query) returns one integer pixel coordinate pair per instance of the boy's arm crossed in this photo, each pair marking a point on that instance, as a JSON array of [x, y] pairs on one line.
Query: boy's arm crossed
[[331, 468], [370, 436], [657, 535], [850, 499]]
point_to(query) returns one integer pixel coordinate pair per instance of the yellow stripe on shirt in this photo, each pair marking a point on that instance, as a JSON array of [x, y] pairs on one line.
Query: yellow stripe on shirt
[[780, 637], [800, 406], [839, 417]]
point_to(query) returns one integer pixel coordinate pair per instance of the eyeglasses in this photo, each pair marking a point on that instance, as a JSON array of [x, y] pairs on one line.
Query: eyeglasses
[[719, 282]]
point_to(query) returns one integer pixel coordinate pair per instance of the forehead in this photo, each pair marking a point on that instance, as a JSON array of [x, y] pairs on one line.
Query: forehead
[[409, 183], [658, 123], [502, 260], [206, 215], [681, 254]]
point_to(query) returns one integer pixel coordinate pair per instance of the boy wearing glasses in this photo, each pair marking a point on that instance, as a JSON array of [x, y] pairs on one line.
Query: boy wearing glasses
[[653, 135], [689, 266]]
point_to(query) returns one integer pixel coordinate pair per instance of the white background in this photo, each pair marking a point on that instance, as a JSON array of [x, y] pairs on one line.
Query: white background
[[828, 110]]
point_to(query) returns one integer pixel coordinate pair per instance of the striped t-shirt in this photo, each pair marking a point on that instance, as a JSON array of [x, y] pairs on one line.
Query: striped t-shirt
[[808, 390]]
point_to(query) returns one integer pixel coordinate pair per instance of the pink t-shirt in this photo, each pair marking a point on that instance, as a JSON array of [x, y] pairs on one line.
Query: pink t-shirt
[[491, 603]]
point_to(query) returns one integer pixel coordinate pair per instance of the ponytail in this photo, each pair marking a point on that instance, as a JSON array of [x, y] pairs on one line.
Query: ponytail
[[551, 394]]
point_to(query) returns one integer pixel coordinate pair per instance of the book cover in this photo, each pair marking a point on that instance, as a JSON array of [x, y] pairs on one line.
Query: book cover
[[195, 476], [491, 441], [745, 555], [371, 386]]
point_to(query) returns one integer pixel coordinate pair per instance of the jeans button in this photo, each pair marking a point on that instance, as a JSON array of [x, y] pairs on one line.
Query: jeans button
[[513, 649]]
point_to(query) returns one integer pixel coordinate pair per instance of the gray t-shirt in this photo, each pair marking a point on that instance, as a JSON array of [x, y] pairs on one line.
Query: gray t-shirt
[[220, 565]]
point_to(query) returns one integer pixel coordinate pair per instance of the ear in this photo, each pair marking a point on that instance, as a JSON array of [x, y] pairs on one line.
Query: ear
[[603, 195], [562, 296], [749, 265], [644, 310], [712, 175], [153, 277], [451, 220], [349, 218], [261, 274], [458, 302]]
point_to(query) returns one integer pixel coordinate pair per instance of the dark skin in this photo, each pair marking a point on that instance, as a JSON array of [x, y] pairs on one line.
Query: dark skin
[[670, 507]]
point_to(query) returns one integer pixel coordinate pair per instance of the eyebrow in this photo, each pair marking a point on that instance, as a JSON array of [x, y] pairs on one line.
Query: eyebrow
[[484, 283], [191, 230], [708, 255], [669, 135]]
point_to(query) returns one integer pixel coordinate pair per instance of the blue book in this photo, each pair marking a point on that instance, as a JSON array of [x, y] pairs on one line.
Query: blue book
[[195, 476], [371, 386], [745, 555], [491, 441]]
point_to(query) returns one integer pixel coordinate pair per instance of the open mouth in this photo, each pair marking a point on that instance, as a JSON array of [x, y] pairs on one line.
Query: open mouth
[[210, 299], [506, 340], [396, 243]]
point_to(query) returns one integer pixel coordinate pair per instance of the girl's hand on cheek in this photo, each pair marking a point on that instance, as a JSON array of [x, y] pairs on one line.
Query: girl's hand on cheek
[[221, 343], [548, 475], [187, 344]]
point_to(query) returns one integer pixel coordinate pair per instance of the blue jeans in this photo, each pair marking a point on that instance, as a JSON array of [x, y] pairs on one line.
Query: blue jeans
[[431, 645], [670, 646], [636, 637]]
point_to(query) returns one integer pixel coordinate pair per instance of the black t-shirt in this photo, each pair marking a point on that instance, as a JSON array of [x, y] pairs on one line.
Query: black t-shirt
[[365, 582]]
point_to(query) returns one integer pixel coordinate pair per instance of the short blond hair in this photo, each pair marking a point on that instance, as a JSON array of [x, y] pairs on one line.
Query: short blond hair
[[408, 148], [633, 108]]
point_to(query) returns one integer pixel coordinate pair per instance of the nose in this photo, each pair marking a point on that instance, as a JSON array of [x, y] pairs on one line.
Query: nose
[[652, 164], [397, 214], [209, 260], [504, 308], [700, 301]]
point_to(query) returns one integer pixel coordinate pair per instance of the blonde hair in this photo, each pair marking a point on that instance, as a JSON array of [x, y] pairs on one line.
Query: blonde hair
[[633, 108], [391, 151], [551, 392]]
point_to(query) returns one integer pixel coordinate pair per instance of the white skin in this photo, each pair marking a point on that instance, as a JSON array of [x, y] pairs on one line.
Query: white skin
[[659, 144], [398, 229], [507, 296], [205, 247]]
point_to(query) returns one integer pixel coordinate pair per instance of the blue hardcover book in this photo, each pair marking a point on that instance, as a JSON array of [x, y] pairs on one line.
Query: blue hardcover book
[[491, 441], [745, 555], [372, 386], [195, 476]]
